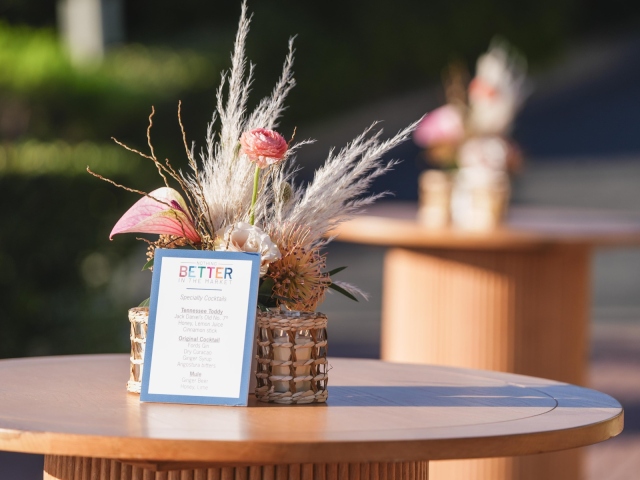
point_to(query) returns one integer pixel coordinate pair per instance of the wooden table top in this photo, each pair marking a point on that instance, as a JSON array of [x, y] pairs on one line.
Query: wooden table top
[[394, 224], [377, 411]]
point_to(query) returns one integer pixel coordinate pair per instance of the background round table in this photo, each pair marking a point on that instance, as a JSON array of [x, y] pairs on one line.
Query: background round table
[[382, 421], [515, 299]]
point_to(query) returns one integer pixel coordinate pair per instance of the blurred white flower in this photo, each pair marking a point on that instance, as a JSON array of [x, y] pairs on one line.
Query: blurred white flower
[[497, 91], [243, 237]]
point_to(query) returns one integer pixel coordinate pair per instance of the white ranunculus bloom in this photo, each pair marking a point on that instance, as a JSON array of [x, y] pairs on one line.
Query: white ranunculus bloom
[[243, 237], [497, 91]]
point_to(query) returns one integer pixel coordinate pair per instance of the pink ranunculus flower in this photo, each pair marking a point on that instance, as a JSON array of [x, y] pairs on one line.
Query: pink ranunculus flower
[[444, 125], [264, 147]]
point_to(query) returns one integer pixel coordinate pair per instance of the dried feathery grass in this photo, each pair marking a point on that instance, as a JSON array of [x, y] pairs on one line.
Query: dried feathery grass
[[297, 219], [218, 186], [226, 178], [338, 190], [339, 187]]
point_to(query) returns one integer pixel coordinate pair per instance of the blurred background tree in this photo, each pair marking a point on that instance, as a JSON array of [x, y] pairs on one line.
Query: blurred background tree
[[64, 287]]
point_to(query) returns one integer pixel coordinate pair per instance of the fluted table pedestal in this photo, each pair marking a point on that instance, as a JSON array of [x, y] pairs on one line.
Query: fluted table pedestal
[[519, 311], [83, 468]]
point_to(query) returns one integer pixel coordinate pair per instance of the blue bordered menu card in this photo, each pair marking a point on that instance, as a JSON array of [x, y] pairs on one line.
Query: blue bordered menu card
[[201, 327]]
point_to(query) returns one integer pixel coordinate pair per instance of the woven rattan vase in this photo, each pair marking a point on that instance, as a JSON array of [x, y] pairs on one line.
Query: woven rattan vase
[[292, 357], [139, 318]]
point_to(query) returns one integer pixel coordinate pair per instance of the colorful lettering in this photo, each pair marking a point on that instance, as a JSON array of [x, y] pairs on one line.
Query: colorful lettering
[[197, 271]]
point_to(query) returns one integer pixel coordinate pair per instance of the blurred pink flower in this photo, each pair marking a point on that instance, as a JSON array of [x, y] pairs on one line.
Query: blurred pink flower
[[163, 211], [443, 125], [263, 147]]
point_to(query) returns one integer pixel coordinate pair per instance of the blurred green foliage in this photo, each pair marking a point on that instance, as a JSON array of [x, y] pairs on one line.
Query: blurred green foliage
[[35, 158], [43, 95], [56, 267], [63, 287]]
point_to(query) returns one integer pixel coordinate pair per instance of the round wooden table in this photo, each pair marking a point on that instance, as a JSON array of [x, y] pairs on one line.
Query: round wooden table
[[382, 421], [516, 299]]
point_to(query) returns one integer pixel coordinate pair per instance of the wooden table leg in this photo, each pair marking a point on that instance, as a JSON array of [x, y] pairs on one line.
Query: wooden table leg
[[79, 468], [513, 311]]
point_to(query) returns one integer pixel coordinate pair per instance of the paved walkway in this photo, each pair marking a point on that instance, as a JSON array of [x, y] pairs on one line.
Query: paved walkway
[[615, 369]]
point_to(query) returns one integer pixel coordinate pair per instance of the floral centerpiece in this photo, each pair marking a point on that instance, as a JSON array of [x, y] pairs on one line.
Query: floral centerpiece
[[469, 137], [240, 194]]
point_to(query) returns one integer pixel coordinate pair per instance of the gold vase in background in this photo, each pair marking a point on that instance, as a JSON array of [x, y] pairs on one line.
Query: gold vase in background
[[434, 199]]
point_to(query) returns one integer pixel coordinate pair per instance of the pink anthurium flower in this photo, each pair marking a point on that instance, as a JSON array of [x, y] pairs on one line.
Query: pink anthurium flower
[[163, 211]]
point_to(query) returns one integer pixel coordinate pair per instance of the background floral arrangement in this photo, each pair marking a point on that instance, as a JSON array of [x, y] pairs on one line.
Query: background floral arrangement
[[239, 193], [472, 129]]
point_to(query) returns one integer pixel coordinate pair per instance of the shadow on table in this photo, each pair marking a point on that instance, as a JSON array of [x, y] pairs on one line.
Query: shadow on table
[[567, 396]]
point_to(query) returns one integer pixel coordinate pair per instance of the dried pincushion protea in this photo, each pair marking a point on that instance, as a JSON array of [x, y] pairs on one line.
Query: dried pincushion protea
[[300, 278]]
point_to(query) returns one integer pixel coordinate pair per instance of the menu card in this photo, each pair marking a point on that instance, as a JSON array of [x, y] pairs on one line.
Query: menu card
[[201, 327]]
